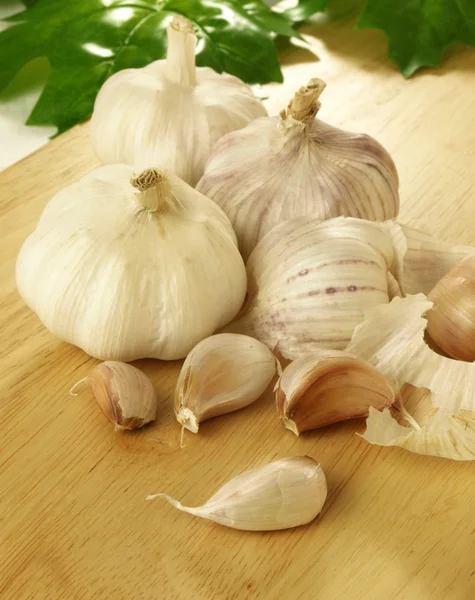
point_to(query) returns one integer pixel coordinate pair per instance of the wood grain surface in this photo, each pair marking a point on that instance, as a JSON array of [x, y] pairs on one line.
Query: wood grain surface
[[74, 520]]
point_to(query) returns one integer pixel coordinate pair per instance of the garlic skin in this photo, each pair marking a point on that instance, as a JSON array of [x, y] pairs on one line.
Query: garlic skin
[[284, 493], [125, 395], [170, 113], [223, 373], [451, 321], [329, 386], [427, 260], [279, 168], [129, 266], [310, 282], [391, 338]]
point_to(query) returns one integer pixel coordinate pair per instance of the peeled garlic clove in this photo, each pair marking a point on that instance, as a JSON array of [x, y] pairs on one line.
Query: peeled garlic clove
[[279, 168], [221, 374], [125, 395], [170, 113], [310, 282], [130, 265], [451, 321], [329, 386], [284, 493]]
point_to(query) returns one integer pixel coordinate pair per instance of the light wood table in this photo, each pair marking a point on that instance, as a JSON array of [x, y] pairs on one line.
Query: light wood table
[[74, 521]]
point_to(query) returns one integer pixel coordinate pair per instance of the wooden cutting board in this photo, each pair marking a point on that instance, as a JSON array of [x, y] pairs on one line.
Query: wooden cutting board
[[74, 520]]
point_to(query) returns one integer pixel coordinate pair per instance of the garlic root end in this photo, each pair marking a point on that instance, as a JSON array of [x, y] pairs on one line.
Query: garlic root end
[[289, 424]]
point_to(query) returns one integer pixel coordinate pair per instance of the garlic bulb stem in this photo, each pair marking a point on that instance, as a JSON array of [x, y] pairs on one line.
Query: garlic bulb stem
[[181, 66], [154, 190], [305, 104]]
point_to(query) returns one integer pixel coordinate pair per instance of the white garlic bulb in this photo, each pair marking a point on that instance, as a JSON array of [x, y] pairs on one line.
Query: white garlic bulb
[[223, 373], [170, 113], [131, 268], [281, 494], [310, 282], [278, 168]]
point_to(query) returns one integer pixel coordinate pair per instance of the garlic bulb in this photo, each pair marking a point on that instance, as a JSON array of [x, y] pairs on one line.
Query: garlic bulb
[[278, 168], [127, 269], [221, 374], [284, 493], [170, 113], [329, 386], [451, 321], [310, 282], [124, 394], [391, 338]]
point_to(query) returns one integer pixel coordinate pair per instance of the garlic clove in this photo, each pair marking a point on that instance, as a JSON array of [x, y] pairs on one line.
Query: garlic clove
[[280, 168], [223, 373], [451, 321], [310, 282], [125, 395], [281, 494], [329, 386]]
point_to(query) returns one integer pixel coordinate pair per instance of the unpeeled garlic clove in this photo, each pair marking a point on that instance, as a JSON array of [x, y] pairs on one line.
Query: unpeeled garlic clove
[[221, 374], [329, 386], [451, 321], [281, 494], [125, 395]]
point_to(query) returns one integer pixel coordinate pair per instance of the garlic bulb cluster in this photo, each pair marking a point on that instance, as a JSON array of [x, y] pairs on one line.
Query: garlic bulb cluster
[[127, 266], [278, 168], [329, 386], [391, 338], [124, 394], [170, 113], [223, 373], [310, 282], [284, 493], [451, 321]]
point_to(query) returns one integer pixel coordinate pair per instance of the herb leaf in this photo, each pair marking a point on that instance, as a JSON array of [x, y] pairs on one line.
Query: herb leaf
[[86, 41], [419, 31]]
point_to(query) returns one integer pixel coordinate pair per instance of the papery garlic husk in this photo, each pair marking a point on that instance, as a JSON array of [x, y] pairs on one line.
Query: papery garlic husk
[[310, 282], [281, 494], [329, 386], [127, 265], [279, 168], [428, 259], [223, 373], [392, 339], [125, 395], [170, 113], [451, 321]]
